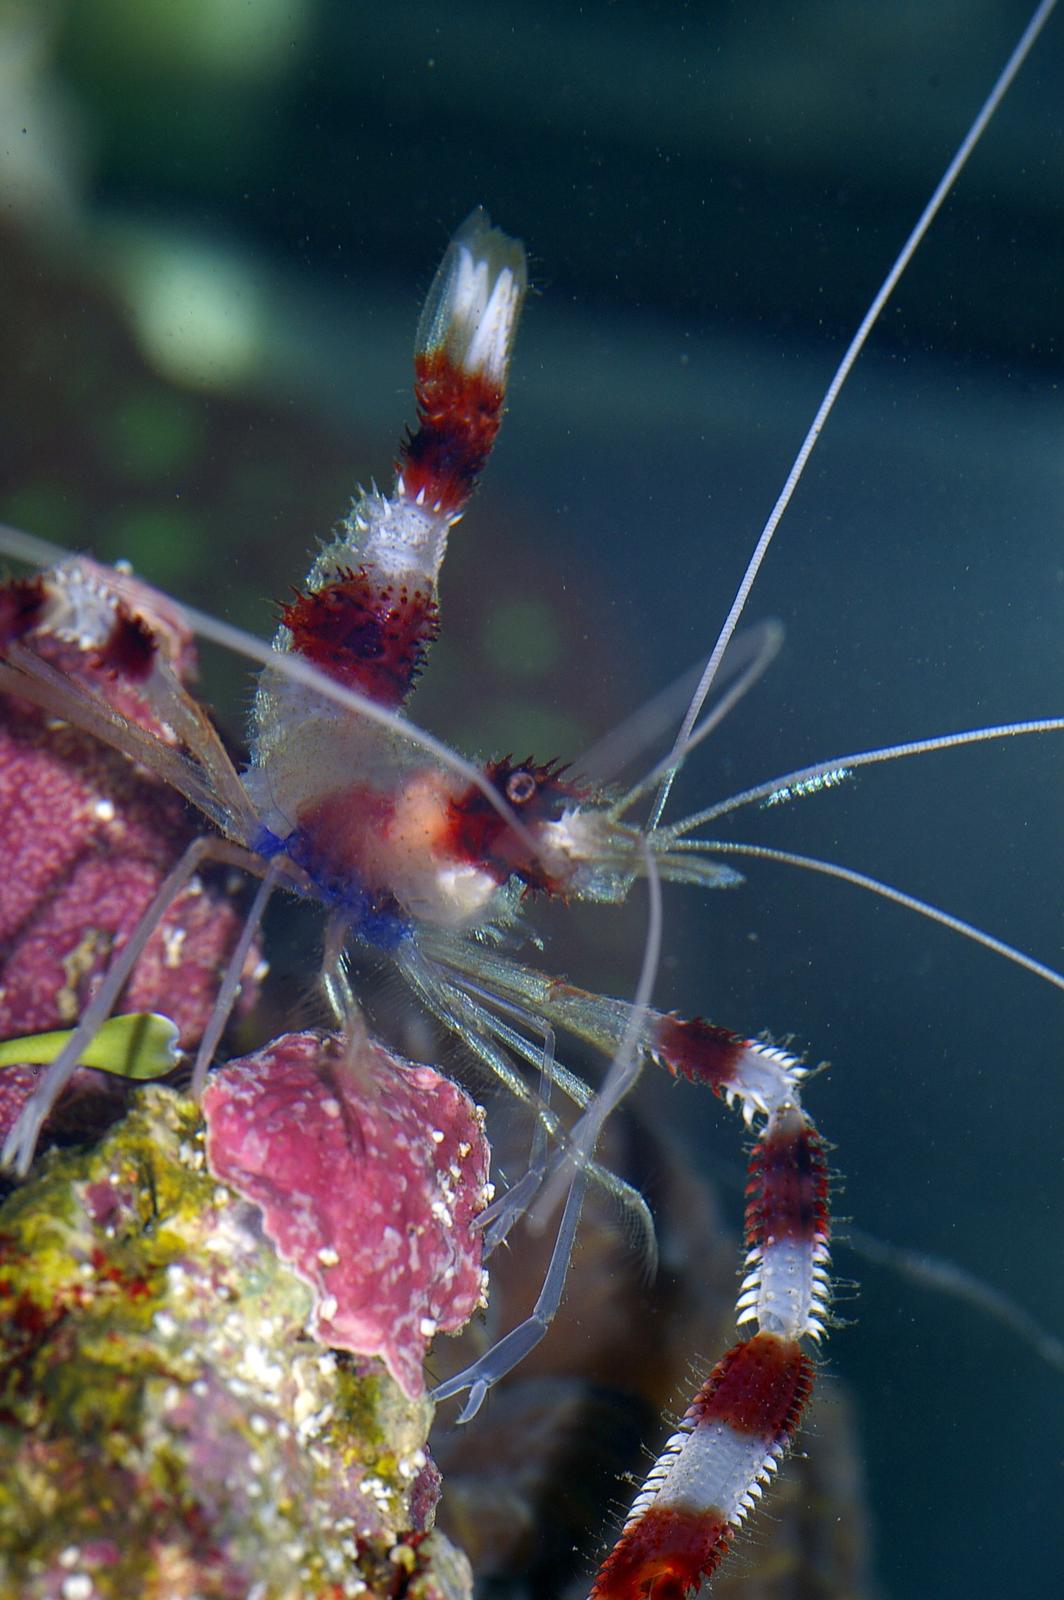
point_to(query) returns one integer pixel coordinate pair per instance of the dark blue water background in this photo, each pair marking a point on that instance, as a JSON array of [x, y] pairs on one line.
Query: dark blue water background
[[710, 195]]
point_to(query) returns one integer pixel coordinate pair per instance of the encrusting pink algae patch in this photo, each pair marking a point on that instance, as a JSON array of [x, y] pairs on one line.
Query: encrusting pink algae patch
[[370, 1172], [88, 839]]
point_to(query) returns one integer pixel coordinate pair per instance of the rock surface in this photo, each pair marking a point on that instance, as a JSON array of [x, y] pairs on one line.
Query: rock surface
[[170, 1426]]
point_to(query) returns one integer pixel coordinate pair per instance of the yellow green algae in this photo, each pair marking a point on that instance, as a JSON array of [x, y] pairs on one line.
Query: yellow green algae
[[168, 1429]]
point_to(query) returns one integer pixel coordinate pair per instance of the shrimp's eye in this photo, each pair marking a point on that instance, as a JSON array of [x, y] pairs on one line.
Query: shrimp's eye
[[478, 832], [520, 788]]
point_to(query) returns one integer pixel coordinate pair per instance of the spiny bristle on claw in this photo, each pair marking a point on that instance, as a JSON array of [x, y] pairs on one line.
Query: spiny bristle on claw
[[82, 608], [761, 1076], [786, 1287], [365, 630]]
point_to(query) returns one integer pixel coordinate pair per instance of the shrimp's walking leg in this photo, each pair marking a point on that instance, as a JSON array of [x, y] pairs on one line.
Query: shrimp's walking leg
[[22, 1138], [459, 1015], [456, 1008], [512, 1349], [497, 1219], [578, 1157], [229, 988], [478, 1029]]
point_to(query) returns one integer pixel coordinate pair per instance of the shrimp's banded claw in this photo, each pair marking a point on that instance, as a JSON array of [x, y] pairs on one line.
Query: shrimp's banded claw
[[368, 613], [369, 609], [712, 1470], [115, 623], [762, 1077], [710, 1473], [462, 355]]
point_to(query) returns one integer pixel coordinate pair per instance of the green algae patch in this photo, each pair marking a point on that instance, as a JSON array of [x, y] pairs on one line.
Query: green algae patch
[[168, 1428]]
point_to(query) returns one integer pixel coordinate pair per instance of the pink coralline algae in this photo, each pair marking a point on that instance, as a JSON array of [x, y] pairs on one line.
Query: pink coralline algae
[[370, 1172], [87, 840]]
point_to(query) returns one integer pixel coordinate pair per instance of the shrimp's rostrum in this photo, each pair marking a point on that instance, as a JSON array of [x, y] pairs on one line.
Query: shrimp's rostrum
[[441, 864]]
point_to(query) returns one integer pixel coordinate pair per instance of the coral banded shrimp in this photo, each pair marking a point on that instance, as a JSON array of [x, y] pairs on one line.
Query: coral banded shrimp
[[530, 863]]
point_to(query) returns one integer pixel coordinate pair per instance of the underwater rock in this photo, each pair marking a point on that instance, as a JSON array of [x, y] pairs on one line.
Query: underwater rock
[[170, 1427]]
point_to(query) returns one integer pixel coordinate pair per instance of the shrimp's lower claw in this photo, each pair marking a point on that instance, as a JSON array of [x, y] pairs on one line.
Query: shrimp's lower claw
[[485, 1373]]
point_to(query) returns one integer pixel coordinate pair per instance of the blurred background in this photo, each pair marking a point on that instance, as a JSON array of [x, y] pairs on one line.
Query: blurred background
[[217, 221]]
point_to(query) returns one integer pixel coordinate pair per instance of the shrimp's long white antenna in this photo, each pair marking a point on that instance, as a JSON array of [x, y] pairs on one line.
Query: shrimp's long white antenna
[[627, 1062], [944, 1277], [769, 641], [886, 891], [856, 345], [806, 778], [41, 553]]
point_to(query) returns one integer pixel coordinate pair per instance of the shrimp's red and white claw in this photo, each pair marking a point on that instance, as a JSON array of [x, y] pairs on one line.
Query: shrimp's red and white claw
[[744, 1418], [369, 609], [786, 1286], [367, 615], [465, 339], [111, 629], [711, 1472], [761, 1077]]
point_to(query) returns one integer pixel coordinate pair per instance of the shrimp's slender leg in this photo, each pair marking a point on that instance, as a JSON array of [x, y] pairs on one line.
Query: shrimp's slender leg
[[575, 1163], [512, 1349], [499, 1218], [229, 988], [546, 1079], [335, 978], [478, 1029], [450, 1006], [626, 1064], [475, 1025]]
